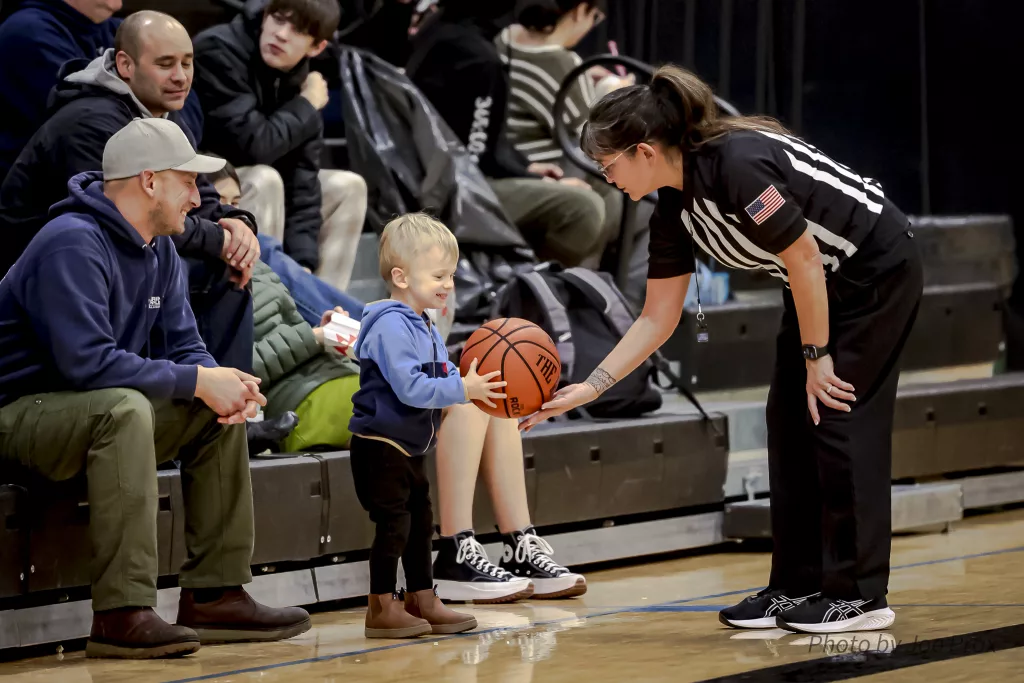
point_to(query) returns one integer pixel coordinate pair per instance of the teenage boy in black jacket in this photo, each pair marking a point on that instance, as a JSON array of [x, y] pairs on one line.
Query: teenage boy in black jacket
[[261, 105], [457, 66]]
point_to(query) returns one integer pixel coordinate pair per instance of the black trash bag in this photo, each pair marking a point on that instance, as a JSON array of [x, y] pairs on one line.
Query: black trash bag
[[412, 161]]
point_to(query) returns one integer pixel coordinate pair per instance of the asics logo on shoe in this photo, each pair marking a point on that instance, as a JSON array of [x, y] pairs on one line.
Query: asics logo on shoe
[[783, 603], [839, 610]]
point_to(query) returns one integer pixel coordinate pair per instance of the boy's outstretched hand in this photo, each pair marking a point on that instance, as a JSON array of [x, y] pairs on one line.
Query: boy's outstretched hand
[[480, 387]]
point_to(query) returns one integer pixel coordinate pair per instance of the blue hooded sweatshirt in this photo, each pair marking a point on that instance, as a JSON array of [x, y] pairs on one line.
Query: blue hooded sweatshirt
[[405, 378], [91, 306]]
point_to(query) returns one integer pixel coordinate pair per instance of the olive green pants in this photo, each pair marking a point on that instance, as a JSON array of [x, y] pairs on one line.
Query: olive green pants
[[560, 222], [117, 436]]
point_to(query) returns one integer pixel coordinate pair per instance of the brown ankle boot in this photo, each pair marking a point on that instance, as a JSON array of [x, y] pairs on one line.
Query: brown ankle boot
[[386, 618], [234, 617], [427, 605], [137, 633]]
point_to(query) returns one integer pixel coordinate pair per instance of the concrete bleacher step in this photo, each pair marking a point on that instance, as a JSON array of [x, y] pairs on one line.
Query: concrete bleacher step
[[992, 490], [956, 325], [956, 250], [914, 507]]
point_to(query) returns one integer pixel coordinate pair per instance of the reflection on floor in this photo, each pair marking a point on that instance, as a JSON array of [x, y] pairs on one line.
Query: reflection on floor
[[657, 622]]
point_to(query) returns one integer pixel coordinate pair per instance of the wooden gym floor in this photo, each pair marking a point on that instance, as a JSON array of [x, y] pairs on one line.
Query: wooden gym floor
[[958, 597]]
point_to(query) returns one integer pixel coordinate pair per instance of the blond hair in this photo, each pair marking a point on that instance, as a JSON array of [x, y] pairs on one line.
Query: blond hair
[[406, 236]]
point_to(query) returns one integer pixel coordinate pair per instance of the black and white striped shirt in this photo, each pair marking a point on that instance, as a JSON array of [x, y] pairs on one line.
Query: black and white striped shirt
[[747, 196], [537, 73]]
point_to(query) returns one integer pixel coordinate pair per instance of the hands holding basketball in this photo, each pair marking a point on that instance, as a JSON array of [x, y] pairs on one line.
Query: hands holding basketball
[[480, 387], [564, 400]]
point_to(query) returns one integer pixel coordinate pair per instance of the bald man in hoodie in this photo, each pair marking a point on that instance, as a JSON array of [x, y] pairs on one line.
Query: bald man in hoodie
[[148, 73]]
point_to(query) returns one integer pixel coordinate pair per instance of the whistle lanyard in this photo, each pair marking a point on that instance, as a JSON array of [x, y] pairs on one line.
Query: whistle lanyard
[[702, 328]]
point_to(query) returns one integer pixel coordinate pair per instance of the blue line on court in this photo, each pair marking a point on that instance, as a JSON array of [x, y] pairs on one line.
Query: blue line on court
[[620, 610], [676, 608]]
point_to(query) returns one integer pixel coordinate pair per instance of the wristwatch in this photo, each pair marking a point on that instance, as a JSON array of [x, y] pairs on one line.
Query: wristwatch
[[812, 352]]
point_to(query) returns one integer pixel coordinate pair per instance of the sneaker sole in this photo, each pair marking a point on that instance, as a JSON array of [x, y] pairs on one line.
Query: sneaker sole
[[763, 622], [568, 587], [484, 593], [869, 621], [448, 629], [108, 651], [395, 633], [217, 636]]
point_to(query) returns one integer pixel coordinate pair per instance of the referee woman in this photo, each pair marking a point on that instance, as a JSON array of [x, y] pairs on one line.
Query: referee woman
[[754, 197]]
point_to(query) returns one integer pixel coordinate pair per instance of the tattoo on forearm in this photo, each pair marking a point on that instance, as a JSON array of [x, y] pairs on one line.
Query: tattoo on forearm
[[601, 381]]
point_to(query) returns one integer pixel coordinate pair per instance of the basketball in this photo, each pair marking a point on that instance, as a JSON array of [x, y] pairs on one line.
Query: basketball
[[526, 358]]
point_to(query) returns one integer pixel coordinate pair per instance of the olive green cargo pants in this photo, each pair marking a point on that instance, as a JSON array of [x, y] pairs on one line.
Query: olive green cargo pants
[[117, 436]]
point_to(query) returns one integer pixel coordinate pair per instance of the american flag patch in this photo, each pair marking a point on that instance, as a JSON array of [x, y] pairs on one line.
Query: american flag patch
[[764, 206]]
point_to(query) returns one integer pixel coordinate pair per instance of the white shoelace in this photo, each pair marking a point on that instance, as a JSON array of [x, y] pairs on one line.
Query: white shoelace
[[535, 549], [471, 551]]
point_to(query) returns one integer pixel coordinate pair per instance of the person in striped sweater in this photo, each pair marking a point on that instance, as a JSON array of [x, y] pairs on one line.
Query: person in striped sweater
[[539, 53]]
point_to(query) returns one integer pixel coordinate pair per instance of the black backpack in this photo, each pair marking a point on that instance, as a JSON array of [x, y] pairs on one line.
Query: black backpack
[[586, 315]]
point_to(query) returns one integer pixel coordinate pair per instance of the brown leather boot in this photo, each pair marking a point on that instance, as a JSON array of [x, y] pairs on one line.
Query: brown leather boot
[[386, 618], [427, 605], [234, 617], [137, 633]]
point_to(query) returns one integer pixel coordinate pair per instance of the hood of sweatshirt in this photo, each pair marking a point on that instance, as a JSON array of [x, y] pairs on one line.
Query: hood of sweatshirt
[[85, 195], [101, 73]]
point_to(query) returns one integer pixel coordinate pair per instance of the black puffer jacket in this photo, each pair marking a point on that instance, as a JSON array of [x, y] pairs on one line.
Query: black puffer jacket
[[456, 64], [255, 115], [81, 118]]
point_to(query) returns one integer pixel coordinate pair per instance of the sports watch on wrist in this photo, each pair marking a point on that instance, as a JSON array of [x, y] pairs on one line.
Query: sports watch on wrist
[[812, 352]]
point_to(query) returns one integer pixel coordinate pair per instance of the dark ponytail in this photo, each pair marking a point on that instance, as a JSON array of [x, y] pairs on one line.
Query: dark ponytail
[[543, 16], [677, 109]]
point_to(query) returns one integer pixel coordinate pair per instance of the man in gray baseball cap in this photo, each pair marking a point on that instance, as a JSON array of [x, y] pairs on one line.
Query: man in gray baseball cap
[[102, 371]]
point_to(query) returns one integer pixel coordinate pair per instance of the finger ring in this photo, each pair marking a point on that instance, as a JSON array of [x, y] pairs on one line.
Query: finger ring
[[829, 390]]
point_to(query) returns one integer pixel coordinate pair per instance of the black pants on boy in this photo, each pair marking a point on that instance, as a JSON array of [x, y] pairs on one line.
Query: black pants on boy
[[394, 489], [831, 483]]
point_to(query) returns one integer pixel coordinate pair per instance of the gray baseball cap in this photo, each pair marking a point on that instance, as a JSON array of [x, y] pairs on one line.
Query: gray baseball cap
[[153, 145]]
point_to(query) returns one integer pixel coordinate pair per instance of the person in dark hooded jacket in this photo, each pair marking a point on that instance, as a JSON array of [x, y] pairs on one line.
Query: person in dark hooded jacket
[[457, 66], [262, 105], [103, 372], [147, 75], [40, 36]]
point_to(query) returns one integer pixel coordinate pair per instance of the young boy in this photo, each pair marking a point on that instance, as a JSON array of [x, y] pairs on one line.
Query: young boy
[[405, 381], [262, 105]]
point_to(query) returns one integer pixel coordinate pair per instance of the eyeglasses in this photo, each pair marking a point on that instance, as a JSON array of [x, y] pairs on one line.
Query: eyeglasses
[[604, 169]]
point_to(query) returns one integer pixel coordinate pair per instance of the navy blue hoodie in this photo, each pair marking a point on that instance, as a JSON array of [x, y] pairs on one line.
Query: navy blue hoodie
[[405, 378], [91, 306]]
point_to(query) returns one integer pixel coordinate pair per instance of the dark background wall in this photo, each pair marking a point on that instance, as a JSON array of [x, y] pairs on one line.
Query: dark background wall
[[917, 93]]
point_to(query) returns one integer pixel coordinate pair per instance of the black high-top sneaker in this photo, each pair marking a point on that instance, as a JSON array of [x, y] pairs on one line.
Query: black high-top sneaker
[[760, 610], [822, 614], [463, 572], [525, 554]]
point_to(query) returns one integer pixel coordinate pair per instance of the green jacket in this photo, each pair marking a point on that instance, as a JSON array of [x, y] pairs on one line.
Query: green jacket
[[286, 355]]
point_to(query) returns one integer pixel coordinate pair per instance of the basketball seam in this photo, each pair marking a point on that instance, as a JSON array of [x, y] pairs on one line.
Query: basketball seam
[[510, 346], [493, 331]]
